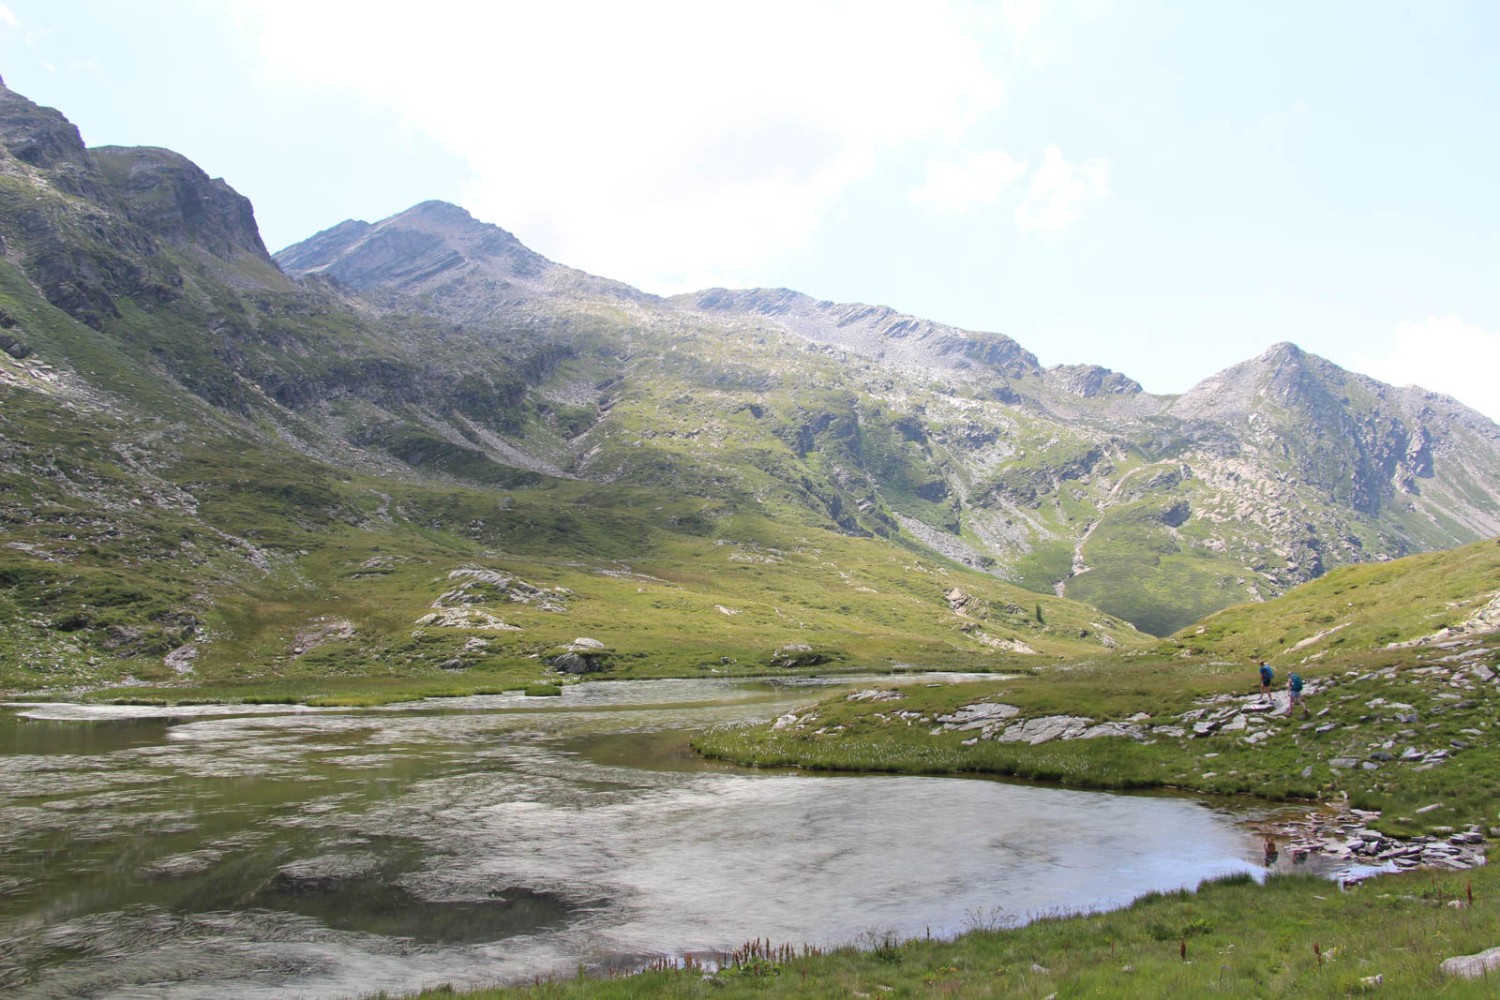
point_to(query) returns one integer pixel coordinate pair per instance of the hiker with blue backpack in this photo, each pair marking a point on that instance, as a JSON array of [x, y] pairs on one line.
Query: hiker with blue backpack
[[1266, 675], [1294, 695]]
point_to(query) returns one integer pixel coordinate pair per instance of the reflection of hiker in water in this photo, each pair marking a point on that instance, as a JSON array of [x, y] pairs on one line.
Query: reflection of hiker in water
[[1271, 853], [1266, 673], [1294, 695]]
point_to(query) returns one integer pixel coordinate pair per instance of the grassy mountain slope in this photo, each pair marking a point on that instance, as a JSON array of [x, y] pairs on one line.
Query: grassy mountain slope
[[210, 474], [1068, 480], [1359, 611], [214, 470]]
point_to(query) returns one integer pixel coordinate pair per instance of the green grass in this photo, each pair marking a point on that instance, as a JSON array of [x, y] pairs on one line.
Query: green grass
[[1354, 608], [270, 547], [1146, 574]]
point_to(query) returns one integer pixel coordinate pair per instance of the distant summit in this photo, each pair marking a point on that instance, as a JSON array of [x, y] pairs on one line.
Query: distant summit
[[437, 244]]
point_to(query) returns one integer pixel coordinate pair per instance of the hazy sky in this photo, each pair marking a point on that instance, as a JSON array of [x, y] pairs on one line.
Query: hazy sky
[[1162, 188]]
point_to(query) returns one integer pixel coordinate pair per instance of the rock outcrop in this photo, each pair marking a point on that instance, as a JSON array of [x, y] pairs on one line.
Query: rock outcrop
[[167, 195]]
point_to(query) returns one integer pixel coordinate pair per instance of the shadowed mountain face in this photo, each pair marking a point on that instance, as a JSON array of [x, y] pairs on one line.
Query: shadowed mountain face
[[176, 403]]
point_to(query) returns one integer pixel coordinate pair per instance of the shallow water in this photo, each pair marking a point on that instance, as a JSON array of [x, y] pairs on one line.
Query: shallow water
[[283, 853]]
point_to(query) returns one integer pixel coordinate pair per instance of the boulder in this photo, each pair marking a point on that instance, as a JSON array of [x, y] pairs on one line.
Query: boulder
[[14, 346], [797, 654], [581, 656], [576, 663], [1472, 966]]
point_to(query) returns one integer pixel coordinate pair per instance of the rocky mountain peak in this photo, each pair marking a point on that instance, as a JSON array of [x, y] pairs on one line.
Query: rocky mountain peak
[[427, 244], [437, 245], [445, 212], [1284, 376], [170, 197], [42, 139]]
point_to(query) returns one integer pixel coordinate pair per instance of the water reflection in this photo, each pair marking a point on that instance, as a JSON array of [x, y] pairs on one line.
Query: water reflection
[[338, 853]]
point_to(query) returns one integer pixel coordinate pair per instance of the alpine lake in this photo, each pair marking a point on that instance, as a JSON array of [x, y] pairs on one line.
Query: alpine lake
[[279, 851]]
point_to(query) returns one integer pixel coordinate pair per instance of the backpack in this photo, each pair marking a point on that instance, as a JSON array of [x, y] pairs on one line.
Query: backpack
[[1266, 673], [1296, 680]]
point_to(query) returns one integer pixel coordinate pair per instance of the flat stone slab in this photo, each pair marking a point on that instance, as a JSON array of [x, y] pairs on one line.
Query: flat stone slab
[[978, 715], [1046, 729]]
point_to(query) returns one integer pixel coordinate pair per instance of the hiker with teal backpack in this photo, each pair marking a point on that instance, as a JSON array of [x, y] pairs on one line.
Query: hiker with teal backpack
[[1266, 674], [1294, 692]]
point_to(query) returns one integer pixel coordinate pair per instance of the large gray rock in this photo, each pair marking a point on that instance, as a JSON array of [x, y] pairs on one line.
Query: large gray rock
[[1472, 966], [978, 715], [797, 654], [576, 663], [581, 656]]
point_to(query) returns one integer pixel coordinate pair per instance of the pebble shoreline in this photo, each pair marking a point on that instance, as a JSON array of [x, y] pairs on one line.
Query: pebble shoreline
[[1345, 836]]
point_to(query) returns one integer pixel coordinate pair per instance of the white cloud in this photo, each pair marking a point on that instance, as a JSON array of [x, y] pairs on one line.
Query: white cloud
[[955, 187], [647, 141], [8, 16], [1443, 354], [1021, 16], [1059, 191]]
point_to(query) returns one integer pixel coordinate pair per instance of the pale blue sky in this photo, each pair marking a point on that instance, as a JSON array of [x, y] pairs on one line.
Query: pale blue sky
[[1162, 188]]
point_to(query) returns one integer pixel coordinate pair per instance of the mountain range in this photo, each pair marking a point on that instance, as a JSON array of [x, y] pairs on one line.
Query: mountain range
[[214, 459]]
